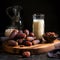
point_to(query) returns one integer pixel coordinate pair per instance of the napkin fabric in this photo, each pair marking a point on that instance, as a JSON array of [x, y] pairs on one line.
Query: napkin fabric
[[55, 53]]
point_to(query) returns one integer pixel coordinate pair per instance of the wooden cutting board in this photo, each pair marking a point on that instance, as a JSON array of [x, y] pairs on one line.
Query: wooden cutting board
[[34, 49]]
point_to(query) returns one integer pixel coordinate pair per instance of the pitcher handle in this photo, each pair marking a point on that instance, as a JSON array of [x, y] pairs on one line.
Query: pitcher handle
[[8, 12]]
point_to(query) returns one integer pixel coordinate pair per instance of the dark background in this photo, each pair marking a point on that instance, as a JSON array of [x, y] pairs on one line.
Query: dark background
[[48, 7]]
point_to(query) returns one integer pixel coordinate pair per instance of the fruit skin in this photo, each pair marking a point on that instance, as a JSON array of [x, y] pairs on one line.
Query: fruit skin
[[26, 31], [26, 54], [23, 35], [13, 34], [20, 41], [32, 34], [20, 35], [20, 32], [12, 43], [35, 42], [29, 38], [28, 43]]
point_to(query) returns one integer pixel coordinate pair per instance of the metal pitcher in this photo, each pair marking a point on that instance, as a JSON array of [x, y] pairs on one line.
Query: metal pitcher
[[14, 14]]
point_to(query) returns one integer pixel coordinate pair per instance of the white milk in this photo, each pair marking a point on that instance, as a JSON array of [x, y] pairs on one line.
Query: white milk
[[38, 27]]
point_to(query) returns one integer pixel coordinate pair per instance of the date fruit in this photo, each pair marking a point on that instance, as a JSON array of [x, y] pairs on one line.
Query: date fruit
[[29, 38], [26, 54], [28, 43], [26, 31], [35, 42], [23, 35], [20, 32], [12, 43], [32, 34], [20, 41], [13, 34]]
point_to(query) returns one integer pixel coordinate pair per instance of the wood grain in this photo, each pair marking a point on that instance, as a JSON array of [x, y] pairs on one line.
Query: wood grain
[[34, 49]]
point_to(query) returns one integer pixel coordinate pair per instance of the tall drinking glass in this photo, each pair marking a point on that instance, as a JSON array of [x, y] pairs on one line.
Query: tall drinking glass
[[38, 25]]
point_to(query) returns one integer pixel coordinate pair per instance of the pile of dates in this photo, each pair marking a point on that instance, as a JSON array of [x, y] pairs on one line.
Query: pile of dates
[[23, 38], [27, 38]]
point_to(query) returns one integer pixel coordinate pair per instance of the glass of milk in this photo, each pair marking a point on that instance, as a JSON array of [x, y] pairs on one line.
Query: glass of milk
[[38, 25]]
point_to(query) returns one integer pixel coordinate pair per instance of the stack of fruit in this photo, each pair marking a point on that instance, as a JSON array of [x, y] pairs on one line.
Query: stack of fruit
[[21, 38], [50, 36], [24, 38]]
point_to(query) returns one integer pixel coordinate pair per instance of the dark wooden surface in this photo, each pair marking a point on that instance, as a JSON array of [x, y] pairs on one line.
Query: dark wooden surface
[[6, 56], [35, 49], [9, 56]]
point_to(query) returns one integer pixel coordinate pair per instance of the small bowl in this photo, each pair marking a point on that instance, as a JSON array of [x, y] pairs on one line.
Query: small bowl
[[50, 36]]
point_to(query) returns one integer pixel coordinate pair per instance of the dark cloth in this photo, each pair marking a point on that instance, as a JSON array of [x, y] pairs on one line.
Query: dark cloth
[[55, 53]]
